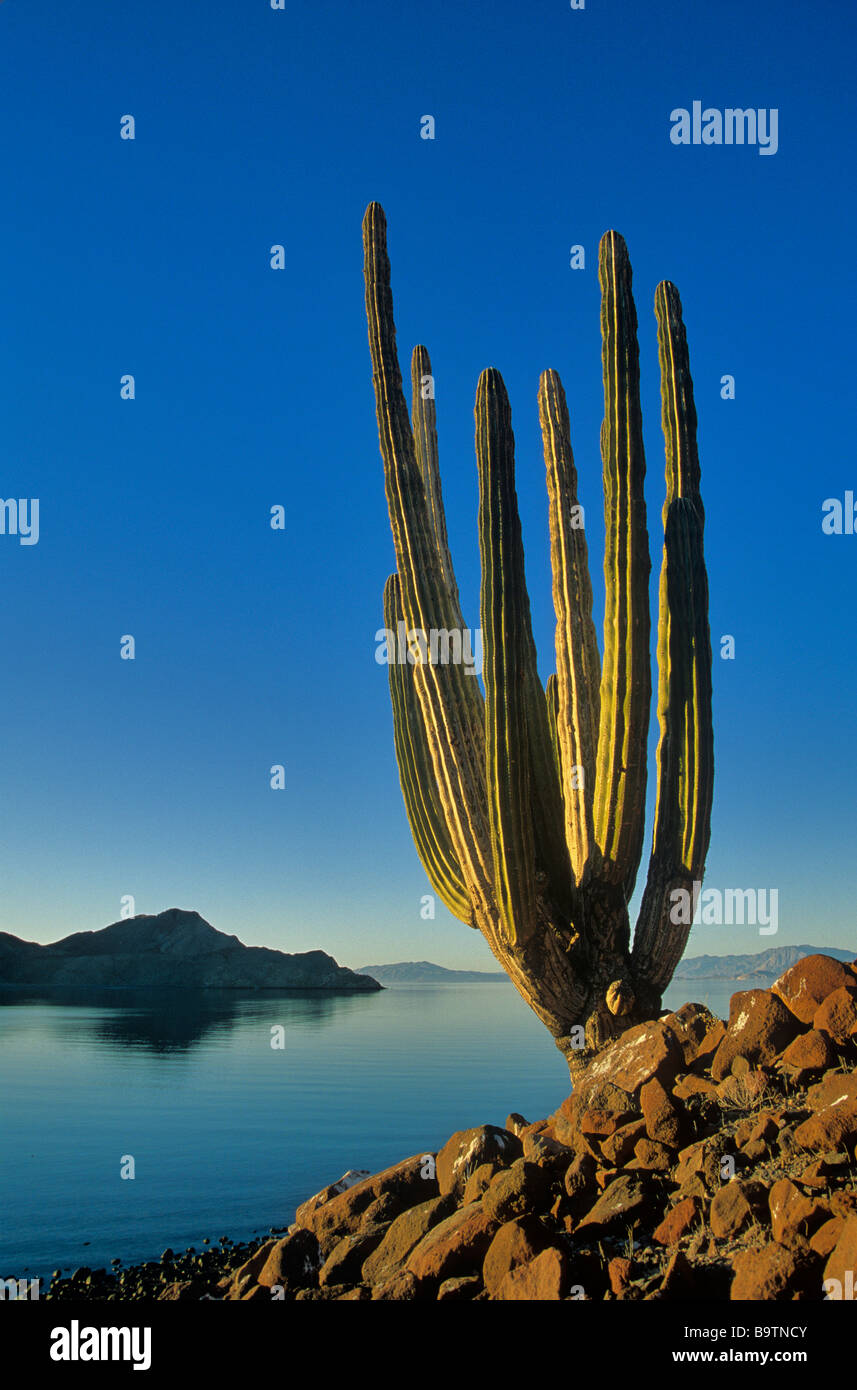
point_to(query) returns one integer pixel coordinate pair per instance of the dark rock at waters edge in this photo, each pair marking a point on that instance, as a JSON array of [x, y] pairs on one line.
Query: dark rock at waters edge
[[696, 1159], [175, 948]]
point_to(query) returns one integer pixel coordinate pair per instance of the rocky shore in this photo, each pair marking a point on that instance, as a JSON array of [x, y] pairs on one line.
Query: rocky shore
[[696, 1159]]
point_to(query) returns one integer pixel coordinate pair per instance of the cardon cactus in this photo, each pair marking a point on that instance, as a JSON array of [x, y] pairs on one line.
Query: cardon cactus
[[527, 806]]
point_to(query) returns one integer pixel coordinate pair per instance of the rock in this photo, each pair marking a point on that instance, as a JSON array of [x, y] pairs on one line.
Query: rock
[[648, 1051], [515, 1243], [384, 1209], [181, 1291], [625, 1200], [342, 1214], [809, 1053], [459, 1290], [679, 1280], [664, 1124], [467, 1149], [515, 1123], [691, 1085], [402, 1236], [456, 1246], [734, 1207], [844, 1204], [401, 1287], [252, 1267], [678, 1221], [547, 1153], [832, 1089], [346, 1259], [478, 1182], [769, 1273], [697, 1029], [516, 1191], [842, 1262], [792, 1214], [830, 1128], [651, 1157], [756, 1128], [619, 1274], [825, 1238], [352, 1178], [544, 1279], [837, 1015], [619, 1146], [291, 1263], [760, 1026], [807, 984]]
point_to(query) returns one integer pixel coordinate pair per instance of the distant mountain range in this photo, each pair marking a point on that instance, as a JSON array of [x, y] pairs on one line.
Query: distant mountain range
[[174, 948], [763, 964], [416, 971]]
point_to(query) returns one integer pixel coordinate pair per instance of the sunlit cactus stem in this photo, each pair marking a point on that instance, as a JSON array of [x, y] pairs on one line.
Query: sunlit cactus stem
[[527, 804]]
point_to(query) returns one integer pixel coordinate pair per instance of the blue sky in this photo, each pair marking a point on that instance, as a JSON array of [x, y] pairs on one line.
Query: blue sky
[[253, 388]]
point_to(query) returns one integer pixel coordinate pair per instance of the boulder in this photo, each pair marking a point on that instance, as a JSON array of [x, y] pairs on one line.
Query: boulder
[[807, 984], [516, 1191], [678, 1221], [291, 1263], [478, 1182], [793, 1214], [468, 1149], [837, 1015], [625, 1200], [544, 1279], [651, 1157], [345, 1261], [760, 1026], [410, 1181], [402, 1236], [808, 1053], [664, 1123], [832, 1128], [401, 1287], [640, 1054], [734, 1207], [456, 1246], [697, 1030], [459, 1290], [619, 1147], [842, 1263], [515, 1243], [771, 1273]]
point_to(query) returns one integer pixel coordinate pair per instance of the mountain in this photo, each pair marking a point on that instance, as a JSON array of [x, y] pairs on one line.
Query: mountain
[[174, 948], [764, 964], [419, 971]]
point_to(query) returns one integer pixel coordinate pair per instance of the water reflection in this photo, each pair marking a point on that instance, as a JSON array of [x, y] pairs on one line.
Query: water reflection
[[167, 1021]]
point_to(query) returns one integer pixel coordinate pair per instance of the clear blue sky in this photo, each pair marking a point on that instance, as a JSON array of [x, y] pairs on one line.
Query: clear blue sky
[[256, 647]]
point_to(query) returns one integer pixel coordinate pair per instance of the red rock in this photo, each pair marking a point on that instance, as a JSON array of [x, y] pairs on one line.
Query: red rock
[[844, 1204], [840, 1086], [544, 1279], [651, 1157], [650, 1050], [468, 1149], [345, 1261], [478, 1183], [842, 1262], [733, 1207], [825, 1238], [456, 1246], [516, 1243], [760, 1026], [807, 984], [619, 1204], [515, 1123], [808, 1053], [459, 1290], [756, 1128], [619, 1274], [547, 1152], [837, 1015], [697, 1029], [291, 1263], [769, 1273], [678, 1222], [516, 1191], [691, 1085], [831, 1128], [619, 1146], [792, 1214], [399, 1288], [341, 1214], [402, 1236], [664, 1124]]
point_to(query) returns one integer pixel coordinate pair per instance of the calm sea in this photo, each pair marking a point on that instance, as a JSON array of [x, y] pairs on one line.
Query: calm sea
[[228, 1135]]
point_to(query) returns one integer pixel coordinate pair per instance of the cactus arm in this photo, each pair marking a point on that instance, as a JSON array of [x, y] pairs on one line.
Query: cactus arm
[[578, 661], [449, 699], [552, 702], [424, 426], [524, 798], [620, 790], [685, 754], [416, 776]]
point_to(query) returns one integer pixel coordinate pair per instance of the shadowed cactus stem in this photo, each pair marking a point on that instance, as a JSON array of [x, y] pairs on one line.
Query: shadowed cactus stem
[[527, 805]]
